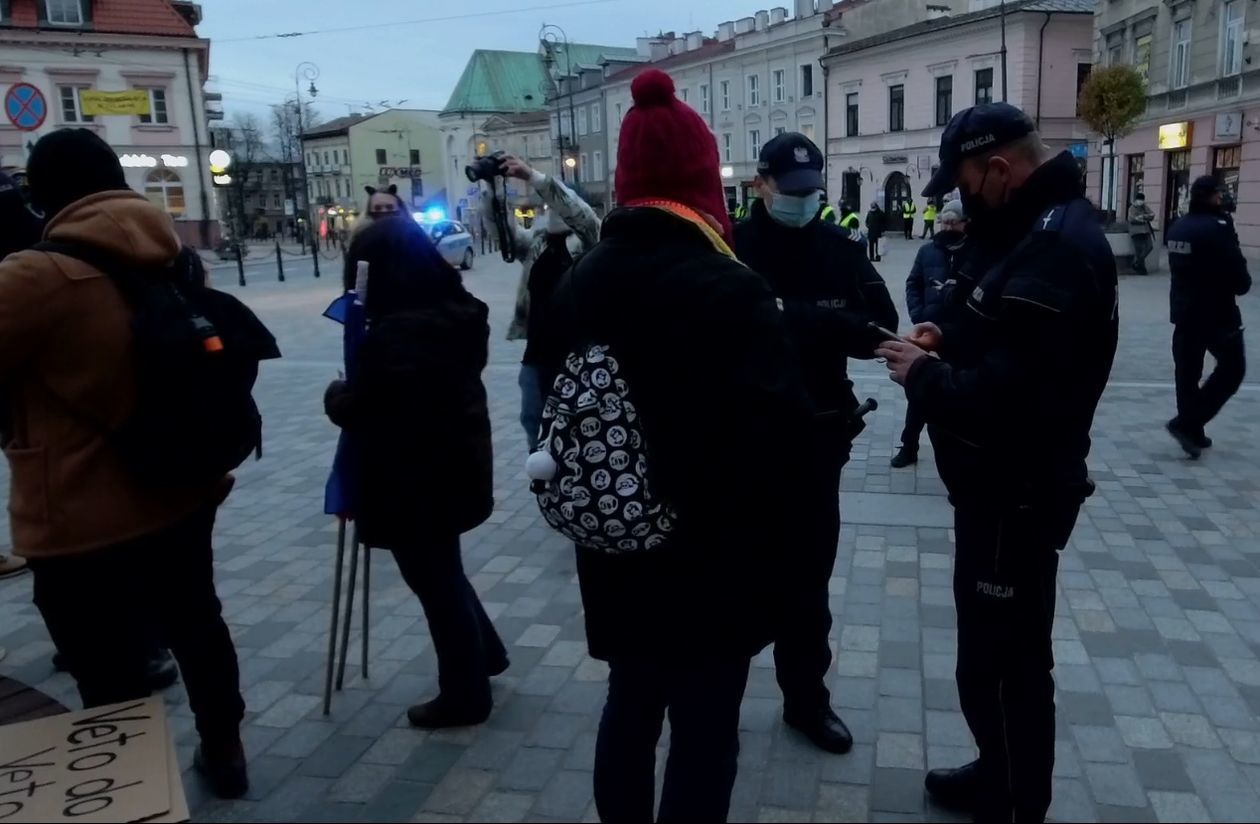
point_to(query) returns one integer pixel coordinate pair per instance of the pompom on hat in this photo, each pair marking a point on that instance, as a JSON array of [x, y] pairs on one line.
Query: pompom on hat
[[668, 153]]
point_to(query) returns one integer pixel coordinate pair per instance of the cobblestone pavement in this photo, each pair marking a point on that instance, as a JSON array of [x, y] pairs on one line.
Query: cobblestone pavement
[[1157, 637]]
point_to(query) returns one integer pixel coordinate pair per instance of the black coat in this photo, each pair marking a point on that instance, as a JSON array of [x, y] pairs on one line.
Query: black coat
[[933, 277], [701, 341], [831, 294], [876, 223], [1208, 272], [1012, 399], [420, 421]]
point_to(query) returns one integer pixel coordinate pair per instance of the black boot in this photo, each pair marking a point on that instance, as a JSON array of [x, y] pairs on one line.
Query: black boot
[[906, 456], [223, 765], [439, 713], [958, 789], [1184, 436], [824, 729]]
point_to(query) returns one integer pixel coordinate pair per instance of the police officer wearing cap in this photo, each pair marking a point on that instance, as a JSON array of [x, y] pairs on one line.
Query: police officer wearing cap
[[1209, 272], [1008, 386], [831, 295]]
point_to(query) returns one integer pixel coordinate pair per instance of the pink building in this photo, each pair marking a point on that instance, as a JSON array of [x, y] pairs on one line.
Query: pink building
[[890, 95]]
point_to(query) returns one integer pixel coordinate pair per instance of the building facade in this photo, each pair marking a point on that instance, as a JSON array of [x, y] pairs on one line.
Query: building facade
[[890, 95], [52, 52], [1202, 107]]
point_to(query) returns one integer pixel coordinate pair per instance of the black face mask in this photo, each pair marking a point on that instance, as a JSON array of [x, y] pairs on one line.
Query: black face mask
[[951, 237]]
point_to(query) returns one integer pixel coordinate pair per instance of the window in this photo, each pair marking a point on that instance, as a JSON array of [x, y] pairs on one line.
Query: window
[[618, 115], [726, 147], [704, 97], [897, 108], [275, 201], [64, 12], [597, 171], [413, 157], [1142, 56], [381, 157], [275, 176], [157, 108], [984, 86], [778, 130], [581, 117], [1181, 54], [583, 171], [597, 119], [776, 81], [685, 94], [1082, 74], [851, 114], [71, 110], [1232, 38], [1137, 176], [807, 129], [1115, 48], [725, 88], [164, 190], [754, 143], [337, 186], [807, 81], [754, 90], [1226, 162], [944, 99]]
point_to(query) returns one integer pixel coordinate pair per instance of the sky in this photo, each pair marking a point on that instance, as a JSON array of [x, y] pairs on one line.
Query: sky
[[395, 59]]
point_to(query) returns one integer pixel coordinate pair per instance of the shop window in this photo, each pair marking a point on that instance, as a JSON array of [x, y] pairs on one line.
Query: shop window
[[1226, 162], [164, 190]]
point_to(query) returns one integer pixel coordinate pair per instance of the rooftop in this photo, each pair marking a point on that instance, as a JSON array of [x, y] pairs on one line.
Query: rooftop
[[500, 81], [586, 54], [709, 49], [950, 21], [340, 125], [151, 17]]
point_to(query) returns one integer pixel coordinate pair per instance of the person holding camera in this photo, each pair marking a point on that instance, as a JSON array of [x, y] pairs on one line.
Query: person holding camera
[[545, 253]]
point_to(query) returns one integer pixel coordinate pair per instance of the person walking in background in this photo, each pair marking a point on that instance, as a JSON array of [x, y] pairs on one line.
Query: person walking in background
[[929, 219], [832, 301], [113, 556], [908, 211], [876, 225], [545, 254], [1209, 273], [417, 409], [679, 624], [1141, 232], [929, 293]]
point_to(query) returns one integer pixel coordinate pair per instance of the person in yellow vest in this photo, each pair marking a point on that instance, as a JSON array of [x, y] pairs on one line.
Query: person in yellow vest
[[929, 220], [828, 213], [908, 211], [851, 222]]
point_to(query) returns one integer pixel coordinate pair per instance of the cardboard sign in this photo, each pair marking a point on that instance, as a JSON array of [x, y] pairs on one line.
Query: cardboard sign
[[114, 763], [95, 103]]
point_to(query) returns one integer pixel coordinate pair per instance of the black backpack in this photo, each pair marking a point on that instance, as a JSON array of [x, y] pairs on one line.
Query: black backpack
[[196, 352]]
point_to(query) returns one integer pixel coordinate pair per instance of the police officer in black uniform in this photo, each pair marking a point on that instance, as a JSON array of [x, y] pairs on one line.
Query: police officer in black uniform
[[1009, 393], [831, 295], [1208, 273]]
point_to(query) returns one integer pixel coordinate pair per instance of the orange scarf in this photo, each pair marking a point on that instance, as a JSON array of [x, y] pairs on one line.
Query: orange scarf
[[691, 216]]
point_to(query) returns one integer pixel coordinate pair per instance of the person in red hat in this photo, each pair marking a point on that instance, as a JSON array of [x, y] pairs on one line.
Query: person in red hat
[[704, 369]]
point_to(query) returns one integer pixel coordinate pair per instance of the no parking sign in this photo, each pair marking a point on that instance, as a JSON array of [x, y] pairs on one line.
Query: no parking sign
[[25, 106]]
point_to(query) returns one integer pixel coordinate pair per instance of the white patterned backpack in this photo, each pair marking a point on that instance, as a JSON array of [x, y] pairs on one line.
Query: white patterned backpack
[[591, 470]]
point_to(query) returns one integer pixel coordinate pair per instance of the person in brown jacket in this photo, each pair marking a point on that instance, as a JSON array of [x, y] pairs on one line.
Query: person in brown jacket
[[110, 557]]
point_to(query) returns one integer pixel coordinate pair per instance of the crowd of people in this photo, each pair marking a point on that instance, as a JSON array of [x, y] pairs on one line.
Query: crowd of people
[[688, 413]]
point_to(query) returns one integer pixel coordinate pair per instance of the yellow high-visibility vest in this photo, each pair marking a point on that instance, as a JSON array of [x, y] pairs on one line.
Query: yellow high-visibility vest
[[828, 213], [850, 221], [908, 209]]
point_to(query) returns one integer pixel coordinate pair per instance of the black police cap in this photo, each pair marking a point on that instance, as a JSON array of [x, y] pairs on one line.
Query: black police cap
[[793, 161], [973, 132]]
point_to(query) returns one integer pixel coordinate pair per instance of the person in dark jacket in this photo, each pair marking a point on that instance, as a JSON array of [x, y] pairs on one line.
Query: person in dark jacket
[[1009, 402], [876, 225], [928, 290], [832, 300], [1208, 274], [722, 409], [422, 430]]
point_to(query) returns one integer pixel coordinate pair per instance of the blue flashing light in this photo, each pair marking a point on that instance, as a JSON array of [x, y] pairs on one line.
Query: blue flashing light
[[434, 214]]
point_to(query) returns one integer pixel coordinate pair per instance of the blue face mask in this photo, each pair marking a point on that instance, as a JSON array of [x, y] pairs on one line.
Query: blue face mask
[[795, 210]]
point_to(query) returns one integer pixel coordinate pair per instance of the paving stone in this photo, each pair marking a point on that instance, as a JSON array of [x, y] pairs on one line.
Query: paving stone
[[1171, 806], [1162, 770], [1115, 784]]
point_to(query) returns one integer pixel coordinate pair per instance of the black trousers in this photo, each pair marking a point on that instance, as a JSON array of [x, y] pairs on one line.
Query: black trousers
[[929, 229], [467, 646], [702, 697], [914, 428], [908, 227], [802, 651], [101, 607], [1005, 566], [1198, 404], [872, 247]]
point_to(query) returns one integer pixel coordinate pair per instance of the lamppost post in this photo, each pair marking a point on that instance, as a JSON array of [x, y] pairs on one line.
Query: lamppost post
[[310, 72], [551, 33]]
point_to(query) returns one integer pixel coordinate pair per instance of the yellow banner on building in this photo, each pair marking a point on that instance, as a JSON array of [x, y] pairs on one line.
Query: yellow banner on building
[[95, 102]]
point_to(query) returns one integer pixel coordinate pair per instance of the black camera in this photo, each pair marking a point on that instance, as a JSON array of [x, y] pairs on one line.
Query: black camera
[[485, 168]]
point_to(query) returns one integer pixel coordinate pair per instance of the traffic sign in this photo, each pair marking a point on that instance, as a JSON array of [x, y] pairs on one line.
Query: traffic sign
[[25, 106]]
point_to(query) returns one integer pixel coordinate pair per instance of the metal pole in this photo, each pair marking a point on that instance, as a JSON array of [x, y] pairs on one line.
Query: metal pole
[[279, 262], [336, 605], [1002, 15], [315, 253], [203, 224], [240, 264], [345, 626], [367, 623]]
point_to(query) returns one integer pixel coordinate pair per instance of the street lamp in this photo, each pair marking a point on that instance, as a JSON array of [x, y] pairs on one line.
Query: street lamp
[[310, 72], [570, 162], [551, 34]]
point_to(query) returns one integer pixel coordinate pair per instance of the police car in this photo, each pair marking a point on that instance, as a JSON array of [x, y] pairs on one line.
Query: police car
[[451, 237]]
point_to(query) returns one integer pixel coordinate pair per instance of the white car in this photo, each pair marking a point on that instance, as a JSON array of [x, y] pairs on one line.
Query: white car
[[454, 241]]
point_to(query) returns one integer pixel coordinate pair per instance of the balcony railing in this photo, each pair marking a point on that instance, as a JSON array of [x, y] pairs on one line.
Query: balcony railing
[[1228, 87]]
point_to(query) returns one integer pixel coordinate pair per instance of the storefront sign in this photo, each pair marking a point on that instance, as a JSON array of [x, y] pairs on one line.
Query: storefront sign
[[1175, 135], [144, 161], [1228, 126], [96, 103], [399, 171], [895, 160]]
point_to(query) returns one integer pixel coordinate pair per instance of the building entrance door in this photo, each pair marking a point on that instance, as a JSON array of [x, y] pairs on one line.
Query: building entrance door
[[896, 193], [1176, 187]]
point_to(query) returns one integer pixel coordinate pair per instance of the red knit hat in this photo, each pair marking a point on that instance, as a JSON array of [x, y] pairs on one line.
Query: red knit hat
[[667, 152]]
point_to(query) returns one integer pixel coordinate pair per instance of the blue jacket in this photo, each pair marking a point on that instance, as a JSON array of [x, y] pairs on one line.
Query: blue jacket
[[1208, 271], [933, 276]]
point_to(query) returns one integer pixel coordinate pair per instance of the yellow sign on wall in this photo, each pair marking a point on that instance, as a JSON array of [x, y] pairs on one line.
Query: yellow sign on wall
[[132, 101], [1175, 135]]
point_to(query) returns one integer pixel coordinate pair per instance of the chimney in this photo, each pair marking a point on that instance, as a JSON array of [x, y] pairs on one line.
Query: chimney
[[937, 12], [643, 46], [763, 20], [804, 8], [777, 15], [726, 31], [695, 40], [744, 25]]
